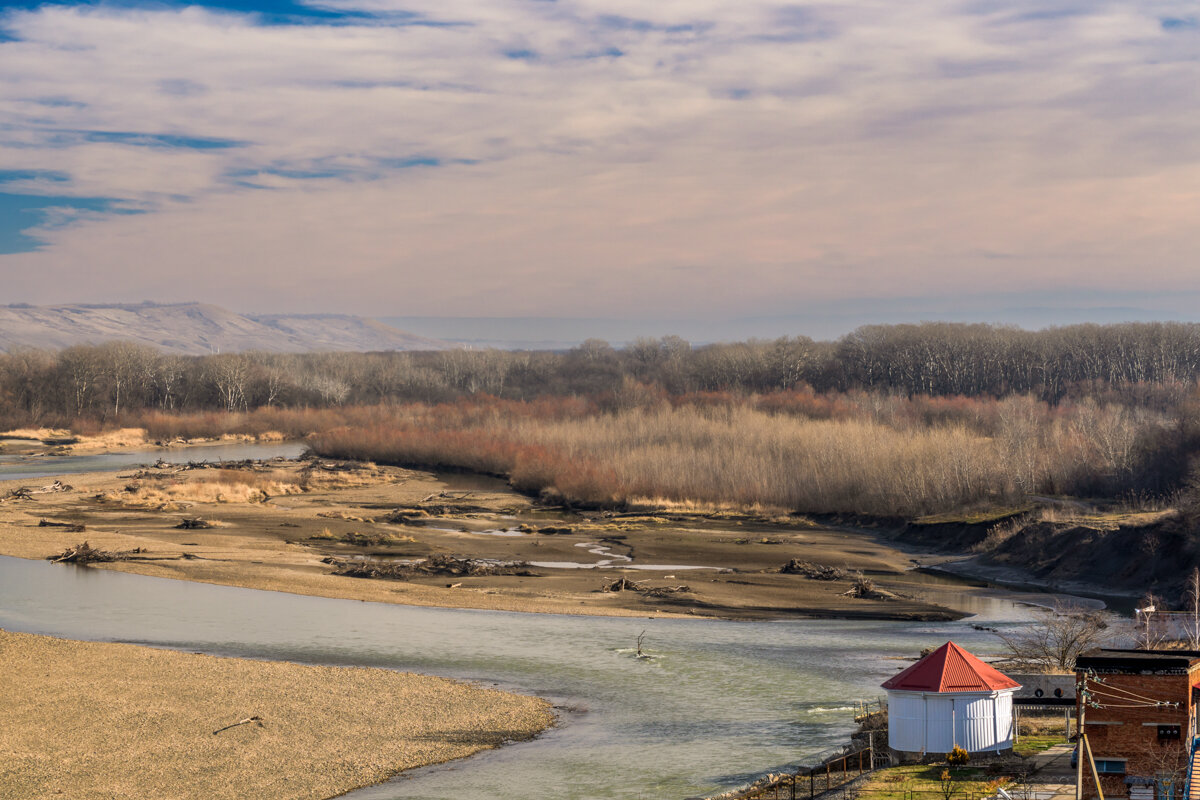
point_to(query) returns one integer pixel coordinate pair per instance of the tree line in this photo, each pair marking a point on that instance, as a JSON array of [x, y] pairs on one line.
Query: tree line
[[1140, 364]]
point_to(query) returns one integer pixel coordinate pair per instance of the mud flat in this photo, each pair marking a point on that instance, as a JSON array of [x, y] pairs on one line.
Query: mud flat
[[93, 720], [291, 525]]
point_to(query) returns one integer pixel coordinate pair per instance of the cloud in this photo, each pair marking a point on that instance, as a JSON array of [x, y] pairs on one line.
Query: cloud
[[589, 153]]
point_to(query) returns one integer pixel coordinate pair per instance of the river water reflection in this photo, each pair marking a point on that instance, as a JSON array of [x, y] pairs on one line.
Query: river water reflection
[[719, 702], [23, 468]]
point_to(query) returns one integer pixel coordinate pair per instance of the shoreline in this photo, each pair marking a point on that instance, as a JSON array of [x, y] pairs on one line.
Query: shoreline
[[74, 717], [279, 527], [269, 533]]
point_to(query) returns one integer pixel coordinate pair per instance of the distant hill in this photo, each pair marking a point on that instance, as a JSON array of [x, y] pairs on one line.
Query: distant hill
[[196, 329]]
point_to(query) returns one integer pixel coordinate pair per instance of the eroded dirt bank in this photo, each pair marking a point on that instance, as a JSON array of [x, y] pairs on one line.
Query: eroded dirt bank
[[1068, 546]]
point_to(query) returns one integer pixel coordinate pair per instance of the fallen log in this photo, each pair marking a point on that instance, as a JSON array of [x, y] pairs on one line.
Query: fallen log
[[193, 523], [71, 527], [817, 572]]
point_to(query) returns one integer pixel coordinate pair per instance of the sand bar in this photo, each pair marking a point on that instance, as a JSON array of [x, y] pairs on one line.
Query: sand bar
[[94, 720]]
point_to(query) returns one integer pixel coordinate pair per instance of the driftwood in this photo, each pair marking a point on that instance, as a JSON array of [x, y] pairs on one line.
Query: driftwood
[[71, 527], [245, 721], [623, 584], [665, 591], [865, 588], [193, 523], [20, 493], [86, 554], [404, 517], [818, 572], [435, 565], [447, 496]]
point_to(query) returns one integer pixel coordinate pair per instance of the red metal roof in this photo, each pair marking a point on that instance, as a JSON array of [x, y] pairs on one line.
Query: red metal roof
[[950, 669]]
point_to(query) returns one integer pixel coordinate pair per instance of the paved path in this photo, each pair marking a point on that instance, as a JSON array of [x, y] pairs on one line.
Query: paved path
[[1051, 776]]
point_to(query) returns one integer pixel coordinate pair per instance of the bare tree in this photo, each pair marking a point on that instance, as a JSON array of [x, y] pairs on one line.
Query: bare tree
[[1055, 640], [1149, 630], [228, 373], [1193, 612]]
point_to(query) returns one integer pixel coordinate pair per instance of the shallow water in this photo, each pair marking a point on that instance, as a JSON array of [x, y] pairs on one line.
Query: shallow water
[[718, 703], [19, 468]]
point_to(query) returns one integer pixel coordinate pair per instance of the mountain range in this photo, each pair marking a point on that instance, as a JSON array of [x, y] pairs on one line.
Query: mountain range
[[199, 329]]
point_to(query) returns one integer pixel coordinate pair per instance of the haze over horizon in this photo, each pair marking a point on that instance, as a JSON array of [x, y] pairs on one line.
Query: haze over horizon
[[763, 168]]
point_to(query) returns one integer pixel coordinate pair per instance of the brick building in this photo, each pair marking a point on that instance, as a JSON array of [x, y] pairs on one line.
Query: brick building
[[1139, 720]]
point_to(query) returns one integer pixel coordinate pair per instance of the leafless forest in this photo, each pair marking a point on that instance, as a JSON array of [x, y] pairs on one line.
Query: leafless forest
[[905, 420]]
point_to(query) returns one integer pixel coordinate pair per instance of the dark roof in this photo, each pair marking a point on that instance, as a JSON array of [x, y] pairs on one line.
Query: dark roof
[[1137, 660], [950, 669]]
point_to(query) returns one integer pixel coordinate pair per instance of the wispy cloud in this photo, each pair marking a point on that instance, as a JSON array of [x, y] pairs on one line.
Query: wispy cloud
[[595, 155]]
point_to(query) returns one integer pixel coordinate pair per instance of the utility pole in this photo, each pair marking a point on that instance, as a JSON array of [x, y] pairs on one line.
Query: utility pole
[[1083, 698]]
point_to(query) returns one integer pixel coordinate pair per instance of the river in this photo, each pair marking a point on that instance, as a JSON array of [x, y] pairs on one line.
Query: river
[[716, 704]]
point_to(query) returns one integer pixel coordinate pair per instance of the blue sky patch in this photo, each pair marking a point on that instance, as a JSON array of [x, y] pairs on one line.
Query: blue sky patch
[[136, 139], [322, 169], [20, 212], [273, 12], [1179, 23], [607, 52], [14, 175], [617, 22]]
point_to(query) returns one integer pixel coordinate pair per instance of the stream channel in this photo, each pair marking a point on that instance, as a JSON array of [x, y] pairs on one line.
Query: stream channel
[[716, 704]]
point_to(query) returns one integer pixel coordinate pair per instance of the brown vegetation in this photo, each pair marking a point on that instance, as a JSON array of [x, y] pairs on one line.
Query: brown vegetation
[[882, 459], [435, 565]]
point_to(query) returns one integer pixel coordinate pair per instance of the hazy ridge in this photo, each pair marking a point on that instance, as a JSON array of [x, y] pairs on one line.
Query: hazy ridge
[[198, 329]]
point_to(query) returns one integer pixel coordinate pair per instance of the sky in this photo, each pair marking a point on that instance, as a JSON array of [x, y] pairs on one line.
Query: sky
[[792, 166]]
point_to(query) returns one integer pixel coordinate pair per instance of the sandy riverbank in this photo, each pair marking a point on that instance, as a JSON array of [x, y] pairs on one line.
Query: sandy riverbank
[[274, 523], [86, 720]]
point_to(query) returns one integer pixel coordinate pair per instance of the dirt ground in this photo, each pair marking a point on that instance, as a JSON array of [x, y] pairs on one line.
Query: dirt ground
[[86, 720], [276, 524]]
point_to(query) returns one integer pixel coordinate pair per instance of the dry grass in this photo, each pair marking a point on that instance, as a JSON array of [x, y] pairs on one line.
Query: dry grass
[[221, 486], [737, 453], [84, 721], [1102, 520]]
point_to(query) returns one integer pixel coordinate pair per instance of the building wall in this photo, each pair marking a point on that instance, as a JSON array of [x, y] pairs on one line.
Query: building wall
[[1118, 732], [929, 722]]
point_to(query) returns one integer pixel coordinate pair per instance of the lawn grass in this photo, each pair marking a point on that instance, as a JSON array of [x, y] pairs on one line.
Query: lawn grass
[[1032, 744], [925, 781]]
